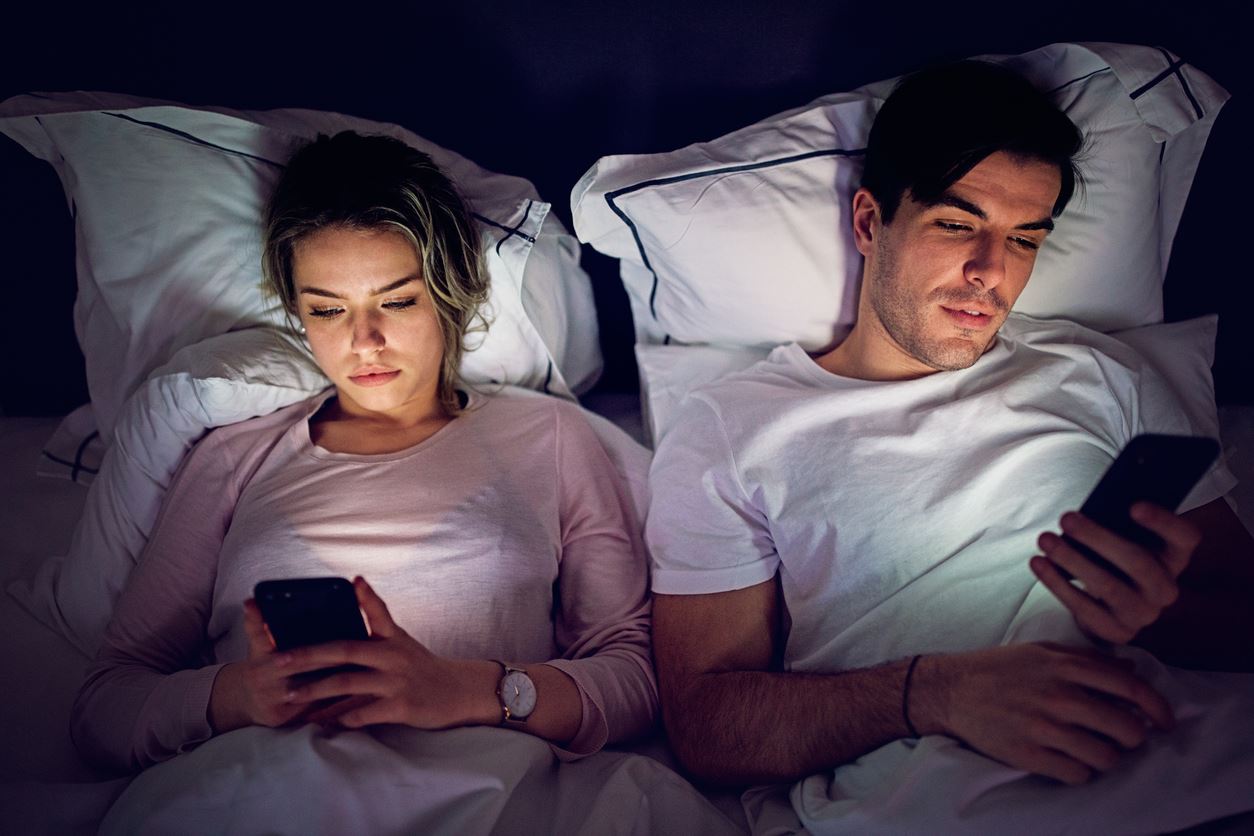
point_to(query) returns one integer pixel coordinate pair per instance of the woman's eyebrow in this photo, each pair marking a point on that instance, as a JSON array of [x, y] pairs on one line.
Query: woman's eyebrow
[[387, 288]]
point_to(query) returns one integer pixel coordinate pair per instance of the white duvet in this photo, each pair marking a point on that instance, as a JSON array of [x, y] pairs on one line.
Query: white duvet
[[394, 779], [1200, 771]]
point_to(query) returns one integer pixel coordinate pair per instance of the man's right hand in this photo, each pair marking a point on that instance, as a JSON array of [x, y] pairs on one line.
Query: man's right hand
[[1057, 711]]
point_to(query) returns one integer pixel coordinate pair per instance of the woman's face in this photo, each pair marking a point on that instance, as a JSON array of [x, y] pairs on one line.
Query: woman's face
[[369, 320]]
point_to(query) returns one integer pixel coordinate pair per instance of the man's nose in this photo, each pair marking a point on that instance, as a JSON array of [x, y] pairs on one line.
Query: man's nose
[[367, 334], [986, 264]]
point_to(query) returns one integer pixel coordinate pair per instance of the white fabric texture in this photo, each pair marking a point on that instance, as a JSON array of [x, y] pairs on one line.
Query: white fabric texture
[[1181, 352], [787, 467], [744, 240], [1201, 771], [167, 202], [395, 780]]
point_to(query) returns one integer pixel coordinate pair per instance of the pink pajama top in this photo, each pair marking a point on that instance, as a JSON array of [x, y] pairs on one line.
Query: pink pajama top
[[506, 535]]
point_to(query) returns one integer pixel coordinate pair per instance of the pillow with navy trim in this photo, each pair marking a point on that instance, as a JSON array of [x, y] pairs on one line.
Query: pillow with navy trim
[[167, 203], [746, 241]]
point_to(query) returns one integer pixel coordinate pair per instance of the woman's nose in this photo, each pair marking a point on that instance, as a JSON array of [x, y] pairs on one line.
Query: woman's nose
[[367, 335]]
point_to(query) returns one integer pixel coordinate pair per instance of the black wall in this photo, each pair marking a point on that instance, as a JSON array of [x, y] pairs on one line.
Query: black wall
[[543, 89]]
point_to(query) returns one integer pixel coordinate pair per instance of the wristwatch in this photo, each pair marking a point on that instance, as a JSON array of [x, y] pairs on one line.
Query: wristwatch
[[517, 694]]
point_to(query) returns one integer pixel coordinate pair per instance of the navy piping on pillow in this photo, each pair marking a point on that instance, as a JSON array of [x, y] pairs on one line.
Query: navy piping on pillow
[[548, 378], [77, 465], [192, 138], [1175, 66], [610, 197], [514, 231], [662, 181]]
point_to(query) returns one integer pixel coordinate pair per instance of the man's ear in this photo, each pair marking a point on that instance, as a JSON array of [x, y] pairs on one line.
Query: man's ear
[[866, 221]]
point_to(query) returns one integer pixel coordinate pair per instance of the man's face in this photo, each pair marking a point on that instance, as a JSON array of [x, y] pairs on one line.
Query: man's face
[[940, 279]]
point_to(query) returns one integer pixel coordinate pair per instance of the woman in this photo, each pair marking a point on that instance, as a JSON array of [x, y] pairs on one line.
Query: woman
[[495, 525]]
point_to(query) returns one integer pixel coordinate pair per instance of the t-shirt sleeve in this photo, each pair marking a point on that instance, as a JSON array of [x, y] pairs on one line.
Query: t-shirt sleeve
[[1158, 410], [146, 696], [602, 616], [705, 531]]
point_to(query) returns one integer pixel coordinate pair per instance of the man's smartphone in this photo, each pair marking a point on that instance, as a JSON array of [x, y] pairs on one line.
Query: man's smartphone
[[1160, 469], [305, 611]]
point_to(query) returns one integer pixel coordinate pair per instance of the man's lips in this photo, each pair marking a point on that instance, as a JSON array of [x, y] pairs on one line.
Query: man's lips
[[373, 376], [968, 317]]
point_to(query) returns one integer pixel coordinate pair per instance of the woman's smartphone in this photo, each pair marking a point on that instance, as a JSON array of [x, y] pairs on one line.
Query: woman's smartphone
[[305, 611], [1160, 469]]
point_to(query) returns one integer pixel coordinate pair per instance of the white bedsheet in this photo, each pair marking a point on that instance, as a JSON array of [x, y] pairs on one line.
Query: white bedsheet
[[394, 779], [1200, 771]]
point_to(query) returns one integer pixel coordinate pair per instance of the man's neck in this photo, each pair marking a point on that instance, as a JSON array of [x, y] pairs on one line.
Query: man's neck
[[866, 356]]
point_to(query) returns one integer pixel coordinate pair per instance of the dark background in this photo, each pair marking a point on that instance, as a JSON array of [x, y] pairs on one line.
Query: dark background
[[544, 89]]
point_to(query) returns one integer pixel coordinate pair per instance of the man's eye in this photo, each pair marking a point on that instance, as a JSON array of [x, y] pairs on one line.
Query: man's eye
[[1026, 243], [401, 304], [325, 313], [952, 227]]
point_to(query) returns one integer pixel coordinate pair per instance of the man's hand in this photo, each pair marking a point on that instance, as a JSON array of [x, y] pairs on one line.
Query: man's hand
[[1052, 710], [1109, 607]]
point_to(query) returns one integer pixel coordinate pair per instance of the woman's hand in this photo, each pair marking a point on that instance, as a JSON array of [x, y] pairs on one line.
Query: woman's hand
[[400, 681], [256, 691]]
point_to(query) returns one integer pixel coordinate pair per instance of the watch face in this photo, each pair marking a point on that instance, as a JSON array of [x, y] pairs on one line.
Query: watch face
[[518, 693]]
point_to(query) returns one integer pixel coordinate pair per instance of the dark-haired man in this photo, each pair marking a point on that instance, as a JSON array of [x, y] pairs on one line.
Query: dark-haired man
[[842, 543]]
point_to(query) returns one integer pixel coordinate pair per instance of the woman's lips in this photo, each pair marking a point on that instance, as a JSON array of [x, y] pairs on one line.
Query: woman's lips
[[374, 378]]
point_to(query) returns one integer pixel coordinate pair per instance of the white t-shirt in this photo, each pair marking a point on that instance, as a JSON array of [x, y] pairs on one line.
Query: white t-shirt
[[899, 515]]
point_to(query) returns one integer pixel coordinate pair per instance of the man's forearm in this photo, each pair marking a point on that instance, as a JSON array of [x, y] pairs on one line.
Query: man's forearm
[[745, 727]]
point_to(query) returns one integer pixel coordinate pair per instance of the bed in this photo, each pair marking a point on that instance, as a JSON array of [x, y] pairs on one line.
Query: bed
[[160, 380]]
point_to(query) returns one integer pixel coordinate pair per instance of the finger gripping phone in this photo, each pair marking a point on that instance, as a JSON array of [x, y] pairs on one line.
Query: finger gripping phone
[[1160, 469], [304, 611]]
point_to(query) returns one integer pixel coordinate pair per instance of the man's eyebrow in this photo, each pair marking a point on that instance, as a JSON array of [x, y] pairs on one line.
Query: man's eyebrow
[[387, 288], [967, 206]]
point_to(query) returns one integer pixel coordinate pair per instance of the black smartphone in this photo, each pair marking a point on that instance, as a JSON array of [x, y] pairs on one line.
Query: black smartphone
[[305, 611], [1161, 469]]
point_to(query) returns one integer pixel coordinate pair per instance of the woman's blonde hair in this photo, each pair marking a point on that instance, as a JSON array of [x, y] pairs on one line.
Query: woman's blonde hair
[[351, 181]]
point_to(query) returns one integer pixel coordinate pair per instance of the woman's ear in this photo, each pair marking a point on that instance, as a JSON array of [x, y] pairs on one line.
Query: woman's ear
[[866, 221]]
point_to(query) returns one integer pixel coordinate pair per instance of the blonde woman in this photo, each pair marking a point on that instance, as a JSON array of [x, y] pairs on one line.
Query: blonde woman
[[494, 527]]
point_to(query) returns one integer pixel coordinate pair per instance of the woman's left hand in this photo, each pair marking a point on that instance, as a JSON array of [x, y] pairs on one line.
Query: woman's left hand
[[401, 681]]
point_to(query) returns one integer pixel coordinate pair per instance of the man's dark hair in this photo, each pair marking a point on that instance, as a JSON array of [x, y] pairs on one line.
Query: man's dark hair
[[940, 123]]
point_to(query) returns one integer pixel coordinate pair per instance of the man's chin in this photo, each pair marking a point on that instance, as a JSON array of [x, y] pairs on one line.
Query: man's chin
[[954, 355]]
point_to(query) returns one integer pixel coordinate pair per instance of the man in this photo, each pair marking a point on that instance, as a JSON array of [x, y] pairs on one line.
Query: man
[[843, 543]]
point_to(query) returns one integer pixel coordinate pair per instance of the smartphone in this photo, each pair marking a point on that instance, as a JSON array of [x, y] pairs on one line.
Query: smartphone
[[1161, 469], [305, 611]]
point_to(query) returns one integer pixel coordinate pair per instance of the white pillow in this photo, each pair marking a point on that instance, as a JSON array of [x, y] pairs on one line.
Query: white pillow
[[225, 379], [167, 202], [1181, 352], [745, 240]]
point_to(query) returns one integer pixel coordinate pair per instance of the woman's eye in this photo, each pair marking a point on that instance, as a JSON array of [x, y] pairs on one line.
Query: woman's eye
[[401, 304], [325, 313]]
